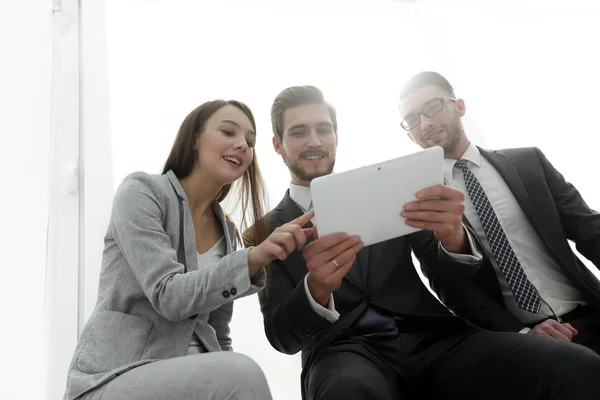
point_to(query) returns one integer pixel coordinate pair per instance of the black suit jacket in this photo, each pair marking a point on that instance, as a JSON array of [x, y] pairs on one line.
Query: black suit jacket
[[557, 213], [392, 284]]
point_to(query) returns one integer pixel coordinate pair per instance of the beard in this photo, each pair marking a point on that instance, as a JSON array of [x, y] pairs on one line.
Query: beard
[[296, 168], [455, 132]]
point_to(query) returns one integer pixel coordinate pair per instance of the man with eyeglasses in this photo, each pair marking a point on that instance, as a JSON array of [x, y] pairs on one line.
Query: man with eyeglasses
[[524, 213], [366, 325]]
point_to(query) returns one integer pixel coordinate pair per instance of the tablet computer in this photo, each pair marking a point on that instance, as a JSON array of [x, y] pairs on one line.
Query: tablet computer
[[367, 201]]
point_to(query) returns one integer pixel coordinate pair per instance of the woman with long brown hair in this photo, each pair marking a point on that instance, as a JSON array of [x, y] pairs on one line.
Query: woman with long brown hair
[[170, 272]]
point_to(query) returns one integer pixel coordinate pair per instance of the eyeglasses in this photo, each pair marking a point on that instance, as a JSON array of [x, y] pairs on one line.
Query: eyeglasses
[[430, 108]]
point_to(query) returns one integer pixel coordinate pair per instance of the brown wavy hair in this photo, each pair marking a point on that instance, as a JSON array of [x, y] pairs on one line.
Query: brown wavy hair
[[183, 157]]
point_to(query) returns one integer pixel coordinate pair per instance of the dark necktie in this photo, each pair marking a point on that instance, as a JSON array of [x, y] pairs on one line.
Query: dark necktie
[[525, 294]]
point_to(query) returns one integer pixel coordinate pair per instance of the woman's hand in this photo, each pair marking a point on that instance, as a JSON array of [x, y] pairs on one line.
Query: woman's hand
[[280, 243]]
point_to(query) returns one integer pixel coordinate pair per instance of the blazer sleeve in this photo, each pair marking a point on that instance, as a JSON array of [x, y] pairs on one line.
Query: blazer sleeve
[[452, 280], [435, 261], [580, 222], [465, 298], [137, 227]]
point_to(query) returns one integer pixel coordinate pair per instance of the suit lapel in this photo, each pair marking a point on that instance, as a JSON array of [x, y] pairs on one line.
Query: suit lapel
[[508, 172], [363, 257], [512, 179], [363, 263], [228, 226], [188, 236], [189, 239], [287, 209]]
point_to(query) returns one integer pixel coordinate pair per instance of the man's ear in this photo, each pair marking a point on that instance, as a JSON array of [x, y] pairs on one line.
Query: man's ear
[[277, 145], [462, 109]]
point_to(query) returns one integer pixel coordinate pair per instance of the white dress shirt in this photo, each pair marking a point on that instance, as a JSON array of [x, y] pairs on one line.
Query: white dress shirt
[[302, 197], [558, 295]]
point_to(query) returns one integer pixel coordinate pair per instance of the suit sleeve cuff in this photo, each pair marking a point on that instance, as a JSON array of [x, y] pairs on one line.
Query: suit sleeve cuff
[[329, 313], [474, 258], [525, 330]]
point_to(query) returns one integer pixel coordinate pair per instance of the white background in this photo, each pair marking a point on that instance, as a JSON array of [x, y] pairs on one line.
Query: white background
[[114, 89]]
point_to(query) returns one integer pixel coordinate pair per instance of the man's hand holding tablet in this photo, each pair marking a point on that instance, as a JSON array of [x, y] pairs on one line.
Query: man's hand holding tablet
[[441, 211]]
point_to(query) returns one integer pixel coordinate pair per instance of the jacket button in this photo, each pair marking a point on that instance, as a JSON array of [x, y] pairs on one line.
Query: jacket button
[[233, 291], [225, 294]]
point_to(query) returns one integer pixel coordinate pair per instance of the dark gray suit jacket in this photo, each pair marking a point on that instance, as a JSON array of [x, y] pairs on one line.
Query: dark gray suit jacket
[[391, 283], [557, 213]]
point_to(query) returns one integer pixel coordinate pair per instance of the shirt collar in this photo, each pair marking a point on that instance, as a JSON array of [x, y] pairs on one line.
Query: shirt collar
[[472, 155], [301, 195]]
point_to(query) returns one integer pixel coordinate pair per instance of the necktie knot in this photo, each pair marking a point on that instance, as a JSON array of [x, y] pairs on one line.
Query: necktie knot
[[462, 165]]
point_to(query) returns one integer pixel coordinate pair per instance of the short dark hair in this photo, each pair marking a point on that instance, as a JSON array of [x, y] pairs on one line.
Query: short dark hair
[[423, 79], [293, 97]]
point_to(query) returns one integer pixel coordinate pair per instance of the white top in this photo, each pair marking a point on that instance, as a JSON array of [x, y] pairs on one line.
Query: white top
[[212, 256], [558, 294]]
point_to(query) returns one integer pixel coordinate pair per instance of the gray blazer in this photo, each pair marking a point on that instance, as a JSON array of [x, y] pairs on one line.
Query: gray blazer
[[152, 295]]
